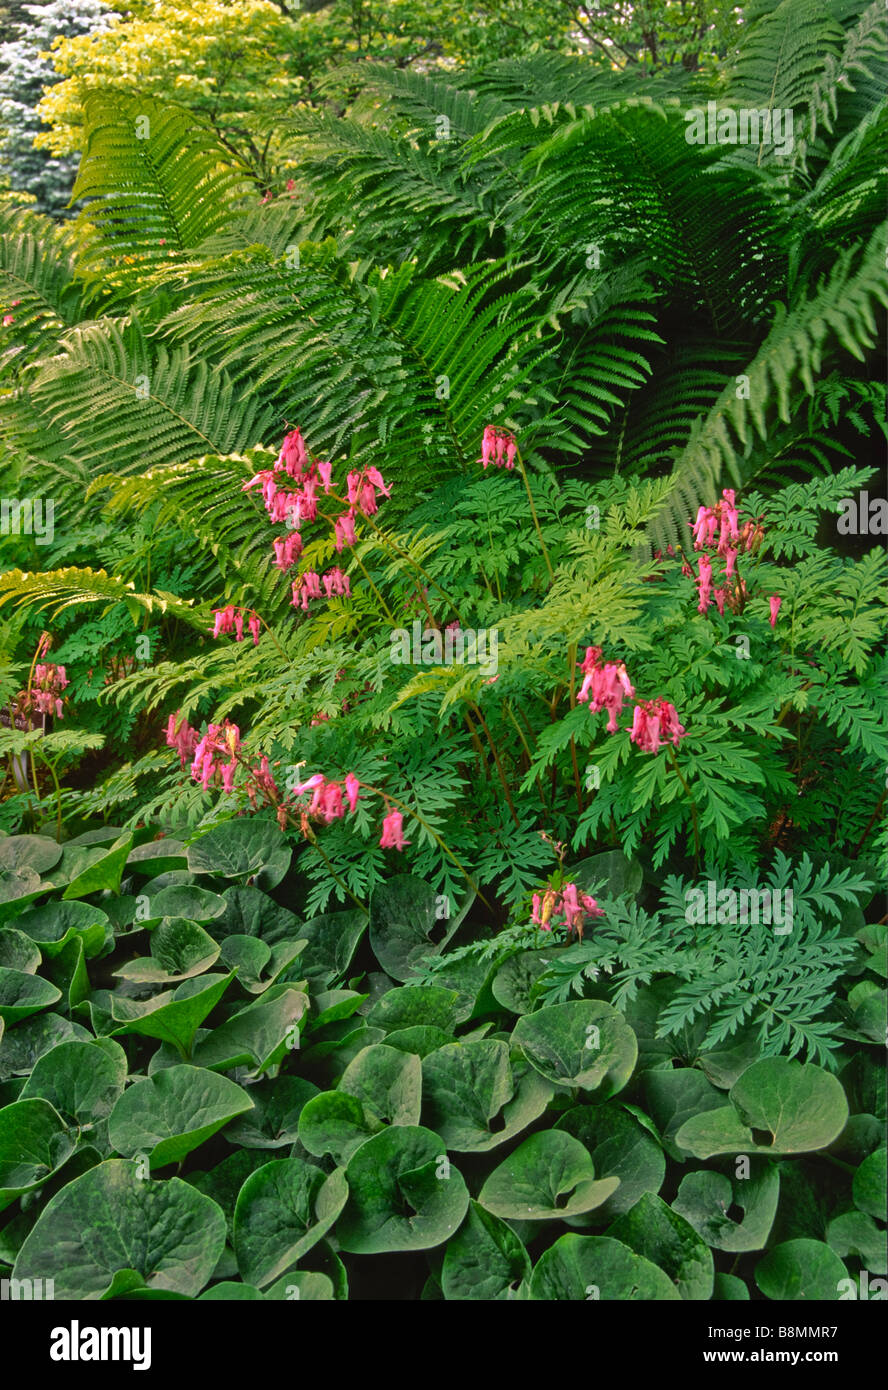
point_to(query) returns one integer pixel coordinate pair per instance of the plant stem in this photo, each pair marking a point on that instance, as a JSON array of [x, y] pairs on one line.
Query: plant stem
[[499, 766], [385, 608], [680, 776], [387, 796], [317, 844], [871, 822], [572, 663], [536, 520]]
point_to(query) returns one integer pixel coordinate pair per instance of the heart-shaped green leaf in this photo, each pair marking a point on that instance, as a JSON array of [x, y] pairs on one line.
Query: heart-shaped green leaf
[[589, 1268], [476, 1097], [413, 1006], [52, 925], [179, 950], [514, 981], [22, 994], [583, 1043], [868, 1187], [18, 951], [403, 1193], [35, 852], [657, 1233], [797, 1108], [173, 1016], [34, 1142], [856, 1234], [259, 1036], [403, 915], [83, 1080], [388, 1083], [705, 1198], [274, 1119], [167, 1115], [157, 857], [247, 848], [110, 1219], [620, 1148], [20, 1047], [549, 1176], [105, 872], [332, 941], [801, 1270], [283, 1209], [485, 1260], [187, 900], [336, 1123]]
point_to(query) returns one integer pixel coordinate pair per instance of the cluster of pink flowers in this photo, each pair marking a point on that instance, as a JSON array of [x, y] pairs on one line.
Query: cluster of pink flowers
[[568, 907], [655, 722], [328, 803], [498, 447], [220, 742], [181, 736], [45, 693], [607, 686], [722, 521], [293, 506], [326, 800], [214, 757], [308, 586], [232, 619]]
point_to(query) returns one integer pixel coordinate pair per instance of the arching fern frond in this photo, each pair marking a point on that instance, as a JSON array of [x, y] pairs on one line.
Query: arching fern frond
[[840, 315], [156, 180], [56, 590], [121, 406], [38, 289]]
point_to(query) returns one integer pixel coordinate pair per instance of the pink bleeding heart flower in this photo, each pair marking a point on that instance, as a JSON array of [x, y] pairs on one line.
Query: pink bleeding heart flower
[[775, 602], [352, 787], [704, 583], [393, 832], [344, 530]]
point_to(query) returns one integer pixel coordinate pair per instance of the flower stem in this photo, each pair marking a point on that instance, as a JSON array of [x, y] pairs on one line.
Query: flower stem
[[678, 772], [533, 512], [499, 766], [387, 796]]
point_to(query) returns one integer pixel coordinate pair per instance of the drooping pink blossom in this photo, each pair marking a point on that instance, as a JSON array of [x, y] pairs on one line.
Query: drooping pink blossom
[[704, 583], [393, 832], [287, 550], [344, 530], [655, 722], [498, 446], [775, 601], [293, 456], [335, 582], [605, 687], [352, 787]]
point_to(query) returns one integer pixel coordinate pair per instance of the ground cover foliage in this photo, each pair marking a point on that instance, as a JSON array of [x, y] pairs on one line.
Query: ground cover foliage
[[442, 831]]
